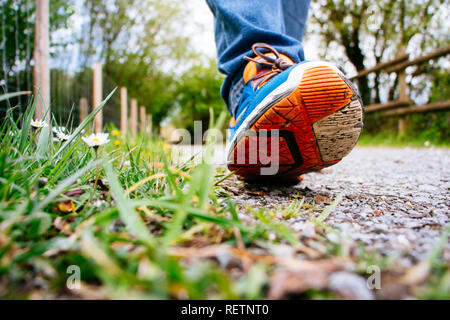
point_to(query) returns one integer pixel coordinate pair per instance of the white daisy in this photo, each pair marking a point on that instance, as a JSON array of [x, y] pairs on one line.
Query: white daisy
[[58, 129], [62, 136], [39, 123], [96, 139], [61, 133]]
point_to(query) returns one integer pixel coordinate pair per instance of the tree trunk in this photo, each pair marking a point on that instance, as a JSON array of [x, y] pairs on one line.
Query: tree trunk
[[355, 54]]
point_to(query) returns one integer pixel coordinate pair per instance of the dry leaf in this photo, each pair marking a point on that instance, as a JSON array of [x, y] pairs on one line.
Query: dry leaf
[[322, 199], [66, 206], [416, 274], [90, 292], [62, 225], [256, 193], [284, 282], [299, 276]]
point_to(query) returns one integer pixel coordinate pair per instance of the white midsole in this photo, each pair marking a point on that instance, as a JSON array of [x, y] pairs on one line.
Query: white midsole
[[292, 82]]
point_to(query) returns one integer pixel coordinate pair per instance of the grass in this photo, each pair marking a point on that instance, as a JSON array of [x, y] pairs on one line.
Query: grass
[[148, 229]]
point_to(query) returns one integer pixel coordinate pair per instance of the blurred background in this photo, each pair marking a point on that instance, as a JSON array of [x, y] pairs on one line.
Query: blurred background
[[163, 52]]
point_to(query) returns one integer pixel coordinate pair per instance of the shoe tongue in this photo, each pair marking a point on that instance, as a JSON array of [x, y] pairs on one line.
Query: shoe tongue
[[252, 68]]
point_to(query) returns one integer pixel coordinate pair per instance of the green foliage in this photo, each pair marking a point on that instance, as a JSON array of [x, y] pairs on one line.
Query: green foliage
[[197, 91], [140, 49], [373, 32], [143, 50], [17, 19], [17, 30]]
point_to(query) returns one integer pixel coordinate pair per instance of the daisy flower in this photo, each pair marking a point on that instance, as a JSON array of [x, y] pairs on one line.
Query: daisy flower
[[39, 123], [58, 129], [96, 140], [62, 136], [61, 133]]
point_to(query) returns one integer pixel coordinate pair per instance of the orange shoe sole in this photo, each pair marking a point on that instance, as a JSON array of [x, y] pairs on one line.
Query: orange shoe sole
[[313, 127]]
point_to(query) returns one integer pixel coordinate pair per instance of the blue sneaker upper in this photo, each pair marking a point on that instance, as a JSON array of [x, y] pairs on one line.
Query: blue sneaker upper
[[262, 75], [252, 95]]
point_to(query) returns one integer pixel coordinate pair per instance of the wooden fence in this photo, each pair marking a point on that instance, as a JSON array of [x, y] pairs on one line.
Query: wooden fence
[[41, 84], [403, 105], [129, 121]]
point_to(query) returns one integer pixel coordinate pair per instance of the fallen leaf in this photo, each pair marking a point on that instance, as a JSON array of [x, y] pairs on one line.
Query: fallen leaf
[[62, 225], [417, 274], [256, 193], [299, 276], [322, 199], [90, 292], [66, 206], [284, 282]]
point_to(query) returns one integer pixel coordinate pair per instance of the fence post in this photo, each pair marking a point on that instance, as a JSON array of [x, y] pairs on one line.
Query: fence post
[[402, 96], [97, 96], [142, 116], [83, 108], [41, 68], [123, 111], [134, 116]]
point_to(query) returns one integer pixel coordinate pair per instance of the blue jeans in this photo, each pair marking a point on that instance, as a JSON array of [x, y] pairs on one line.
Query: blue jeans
[[241, 23]]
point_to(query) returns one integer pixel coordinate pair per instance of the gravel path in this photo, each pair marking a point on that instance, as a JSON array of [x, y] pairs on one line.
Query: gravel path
[[395, 201]]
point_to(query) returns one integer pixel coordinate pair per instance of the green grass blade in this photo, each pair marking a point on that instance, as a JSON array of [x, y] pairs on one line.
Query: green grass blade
[[7, 96], [127, 212], [64, 185]]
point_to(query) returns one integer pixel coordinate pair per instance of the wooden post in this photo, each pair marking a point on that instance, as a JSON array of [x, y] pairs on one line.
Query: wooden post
[[134, 117], [403, 126], [83, 107], [41, 68], [402, 96], [97, 96], [123, 111], [142, 116]]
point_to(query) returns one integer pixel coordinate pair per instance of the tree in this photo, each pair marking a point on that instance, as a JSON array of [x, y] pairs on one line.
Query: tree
[[140, 45], [370, 32], [17, 41], [17, 31], [197, 91]]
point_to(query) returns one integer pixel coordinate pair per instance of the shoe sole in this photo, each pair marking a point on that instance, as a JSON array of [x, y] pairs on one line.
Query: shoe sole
[[318, 117]]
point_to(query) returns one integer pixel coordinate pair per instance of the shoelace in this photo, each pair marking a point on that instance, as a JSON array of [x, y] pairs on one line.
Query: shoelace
[[275, 65]]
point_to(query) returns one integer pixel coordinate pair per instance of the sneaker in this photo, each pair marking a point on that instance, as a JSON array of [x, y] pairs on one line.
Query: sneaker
[[292, 118]]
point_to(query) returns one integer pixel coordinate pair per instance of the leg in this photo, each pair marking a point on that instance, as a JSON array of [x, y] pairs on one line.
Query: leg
[[295, 16], [290, 116], [239, 24]]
